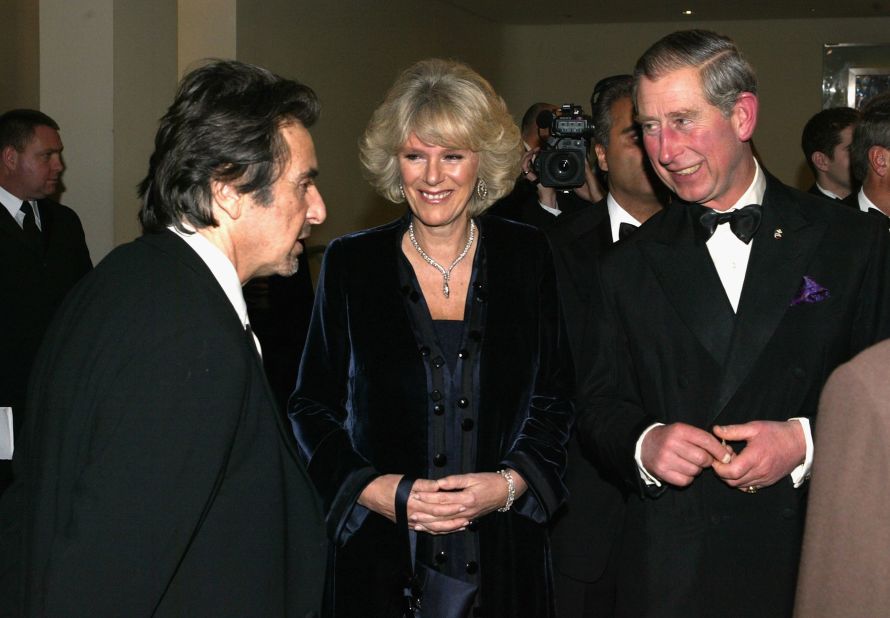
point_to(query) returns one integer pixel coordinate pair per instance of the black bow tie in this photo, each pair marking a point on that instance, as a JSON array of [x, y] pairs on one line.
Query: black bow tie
[[625, 230], [743, 222]]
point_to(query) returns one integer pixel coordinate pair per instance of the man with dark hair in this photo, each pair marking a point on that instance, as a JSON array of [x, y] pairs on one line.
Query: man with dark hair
[[717, 324], [156, 476], [871, 159], [532, 203], [585, 535], [826, 146], [42, 250]]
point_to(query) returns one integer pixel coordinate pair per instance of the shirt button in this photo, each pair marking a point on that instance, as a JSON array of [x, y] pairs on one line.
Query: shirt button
[[424, 351], [438, 409], [472, 567], [463, 353], [467, 424], [440, 460], [441, 557], [463, 402], [438, 362], [436, 395]]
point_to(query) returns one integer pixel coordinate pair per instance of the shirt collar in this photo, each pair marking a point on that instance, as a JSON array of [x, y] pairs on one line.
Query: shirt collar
[[617, 216], [219, 264], [755, 191], [865, 203], [827, 193]]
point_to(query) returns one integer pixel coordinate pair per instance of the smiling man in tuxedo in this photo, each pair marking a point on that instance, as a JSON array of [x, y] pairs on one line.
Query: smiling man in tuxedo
[[718, 324]]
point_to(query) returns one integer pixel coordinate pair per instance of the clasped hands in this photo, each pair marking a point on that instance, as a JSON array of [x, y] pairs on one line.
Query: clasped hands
[[442, 506], [677, 453]]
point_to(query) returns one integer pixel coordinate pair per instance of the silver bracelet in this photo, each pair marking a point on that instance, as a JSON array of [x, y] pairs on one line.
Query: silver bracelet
[[511, 490]]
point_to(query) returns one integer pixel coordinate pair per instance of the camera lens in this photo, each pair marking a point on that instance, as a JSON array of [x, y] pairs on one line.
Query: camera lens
[[562, 167]]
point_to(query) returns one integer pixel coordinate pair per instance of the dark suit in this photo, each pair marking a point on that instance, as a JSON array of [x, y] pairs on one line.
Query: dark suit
[[33, 286], [585, 534], [672, 350], [522, 205], [155, 476]]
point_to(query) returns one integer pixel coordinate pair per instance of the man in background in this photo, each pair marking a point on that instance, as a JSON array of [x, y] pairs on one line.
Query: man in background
[[155, 475], [585, 535], [871, 159], [42, 251], [826, 146]]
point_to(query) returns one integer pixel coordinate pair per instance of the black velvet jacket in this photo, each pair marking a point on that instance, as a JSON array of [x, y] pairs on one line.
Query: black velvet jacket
[[363, 403]]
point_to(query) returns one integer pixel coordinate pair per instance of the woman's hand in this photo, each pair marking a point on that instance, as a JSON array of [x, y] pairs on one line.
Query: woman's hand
[[380, 496], [478, 493]]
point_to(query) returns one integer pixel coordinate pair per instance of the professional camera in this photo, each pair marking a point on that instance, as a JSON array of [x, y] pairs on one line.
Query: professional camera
[[560, 164]]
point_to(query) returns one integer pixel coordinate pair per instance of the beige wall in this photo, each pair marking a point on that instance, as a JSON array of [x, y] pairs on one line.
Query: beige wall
[[145, 75], [787, 55], [19, 39], [108, 69]]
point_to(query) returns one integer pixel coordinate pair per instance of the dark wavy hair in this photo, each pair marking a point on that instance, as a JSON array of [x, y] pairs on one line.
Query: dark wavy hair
[[822, 132], [224, 125]]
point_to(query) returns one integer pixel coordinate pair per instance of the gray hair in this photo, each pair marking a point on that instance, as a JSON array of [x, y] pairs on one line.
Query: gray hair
[[873, 130], [724, 73]]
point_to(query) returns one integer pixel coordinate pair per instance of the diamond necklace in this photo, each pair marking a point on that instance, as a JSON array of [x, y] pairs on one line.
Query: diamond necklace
[[446, 272]]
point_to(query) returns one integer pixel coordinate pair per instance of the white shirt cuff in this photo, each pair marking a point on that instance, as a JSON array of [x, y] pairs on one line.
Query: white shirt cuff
[[802, 472], [644, 473]]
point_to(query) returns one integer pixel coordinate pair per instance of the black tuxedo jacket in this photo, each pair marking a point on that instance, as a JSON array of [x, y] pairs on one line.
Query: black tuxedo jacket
[[671, 349], [585, 532], [155, 475], [33, 285]]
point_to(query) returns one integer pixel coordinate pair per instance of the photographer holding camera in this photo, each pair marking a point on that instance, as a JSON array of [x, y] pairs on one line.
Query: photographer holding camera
[[566, 184]]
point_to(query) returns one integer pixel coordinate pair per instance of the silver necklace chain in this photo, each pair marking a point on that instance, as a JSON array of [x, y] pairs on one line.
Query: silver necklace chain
[[446, 272]]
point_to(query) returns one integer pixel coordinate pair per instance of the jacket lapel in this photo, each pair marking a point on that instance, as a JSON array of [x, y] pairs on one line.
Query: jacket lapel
[[10, 230], [782, 248], [583, 251], [683, 267]]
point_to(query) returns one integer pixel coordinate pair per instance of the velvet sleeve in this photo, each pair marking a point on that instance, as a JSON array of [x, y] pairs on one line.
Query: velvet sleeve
[[538, 451], [317, 407]]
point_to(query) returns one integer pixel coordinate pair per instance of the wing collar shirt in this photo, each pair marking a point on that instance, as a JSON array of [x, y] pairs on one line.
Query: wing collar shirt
[[617, 216], [730, 256], [223, 271], [14, 206]]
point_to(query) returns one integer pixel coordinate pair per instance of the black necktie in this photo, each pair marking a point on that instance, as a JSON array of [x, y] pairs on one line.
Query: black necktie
[[743, 222], [29, 226], [625, 230]]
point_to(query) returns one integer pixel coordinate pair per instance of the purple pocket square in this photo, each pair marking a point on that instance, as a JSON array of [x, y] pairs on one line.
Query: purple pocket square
[[810, 292]]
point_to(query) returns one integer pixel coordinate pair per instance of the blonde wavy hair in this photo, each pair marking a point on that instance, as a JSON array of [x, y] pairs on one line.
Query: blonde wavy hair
[[447, 104]]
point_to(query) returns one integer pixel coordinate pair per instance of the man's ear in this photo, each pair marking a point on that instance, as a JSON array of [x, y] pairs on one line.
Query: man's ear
[[601, 157], [227, 198], [879, 160], [9, 157], [744, 115], [820, 160]]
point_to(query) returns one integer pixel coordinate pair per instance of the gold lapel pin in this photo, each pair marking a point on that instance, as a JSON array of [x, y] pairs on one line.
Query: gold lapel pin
[[778, 233]]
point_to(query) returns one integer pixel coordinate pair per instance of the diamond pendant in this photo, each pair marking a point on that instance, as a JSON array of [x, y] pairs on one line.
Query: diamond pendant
[[445, 289]]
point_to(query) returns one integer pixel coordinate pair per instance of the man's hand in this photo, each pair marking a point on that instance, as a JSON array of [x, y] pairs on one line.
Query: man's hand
[[773, 450], [677, 453]]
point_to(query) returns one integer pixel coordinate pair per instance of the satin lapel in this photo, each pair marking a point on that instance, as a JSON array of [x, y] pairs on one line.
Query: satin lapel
[[774, 275], [687, 276]]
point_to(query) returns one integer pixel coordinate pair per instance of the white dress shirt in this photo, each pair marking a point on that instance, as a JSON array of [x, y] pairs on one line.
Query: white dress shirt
[[617, 216], [14, 205], [223, 271]]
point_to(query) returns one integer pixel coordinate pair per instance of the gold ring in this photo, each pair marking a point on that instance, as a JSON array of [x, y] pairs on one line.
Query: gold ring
[[751, 489]]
